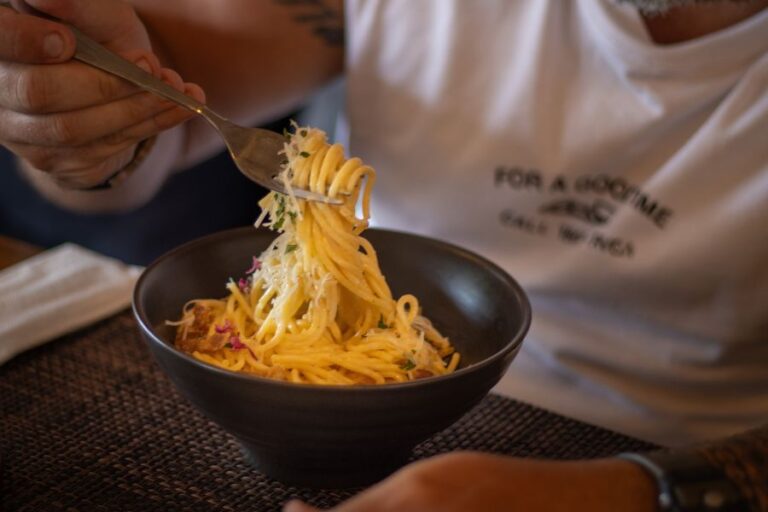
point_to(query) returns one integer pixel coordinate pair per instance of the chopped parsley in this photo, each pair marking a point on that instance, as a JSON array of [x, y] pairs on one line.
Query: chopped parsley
[[382, 324], [280, 205], [228, 345], [408, 365], [304, 154], [279, 213], [290, 248]]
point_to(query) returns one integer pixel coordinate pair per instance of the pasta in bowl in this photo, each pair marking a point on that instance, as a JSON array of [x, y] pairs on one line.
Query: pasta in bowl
[[314, 306], [345, 424]]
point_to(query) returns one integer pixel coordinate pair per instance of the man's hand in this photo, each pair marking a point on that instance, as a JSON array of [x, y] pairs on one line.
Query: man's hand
[[464, 482], [77, 123]]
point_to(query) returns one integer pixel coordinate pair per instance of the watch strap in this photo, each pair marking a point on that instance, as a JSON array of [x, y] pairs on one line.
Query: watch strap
[[687, 482]]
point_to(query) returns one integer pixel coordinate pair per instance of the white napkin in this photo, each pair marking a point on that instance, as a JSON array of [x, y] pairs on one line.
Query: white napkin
[[59, 291]]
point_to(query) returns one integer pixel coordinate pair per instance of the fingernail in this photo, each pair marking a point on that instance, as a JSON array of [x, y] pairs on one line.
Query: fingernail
[[145, 65], [53, 45], [172, 78], [194, 92]]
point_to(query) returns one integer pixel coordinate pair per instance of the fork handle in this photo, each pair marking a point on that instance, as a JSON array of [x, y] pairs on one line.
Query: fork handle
[[91, 52]]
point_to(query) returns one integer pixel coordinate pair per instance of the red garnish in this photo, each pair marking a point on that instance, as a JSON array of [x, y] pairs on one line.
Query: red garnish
[[243, 285], [221, 329], [254, 267], [236, 343]]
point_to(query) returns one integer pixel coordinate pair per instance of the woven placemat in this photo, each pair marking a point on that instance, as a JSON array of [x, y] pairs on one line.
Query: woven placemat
[[90, 423]]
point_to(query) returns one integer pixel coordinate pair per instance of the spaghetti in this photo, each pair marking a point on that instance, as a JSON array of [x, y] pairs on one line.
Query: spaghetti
[[314, 307]]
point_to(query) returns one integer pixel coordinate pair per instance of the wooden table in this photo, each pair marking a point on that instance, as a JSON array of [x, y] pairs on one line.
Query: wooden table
[[13, 251]]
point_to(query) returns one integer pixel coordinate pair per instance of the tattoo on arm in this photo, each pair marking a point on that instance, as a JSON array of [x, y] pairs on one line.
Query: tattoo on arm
[[326, 23], [744, 460]]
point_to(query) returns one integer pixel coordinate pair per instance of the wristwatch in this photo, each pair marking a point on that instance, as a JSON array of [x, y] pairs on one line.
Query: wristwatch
[[689, 483]]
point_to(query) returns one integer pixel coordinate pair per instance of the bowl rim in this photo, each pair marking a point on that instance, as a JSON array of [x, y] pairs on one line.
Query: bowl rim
[[513, 344]]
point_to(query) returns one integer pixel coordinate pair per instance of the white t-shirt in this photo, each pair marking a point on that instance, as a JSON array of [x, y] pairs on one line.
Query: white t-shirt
[[623, 184]]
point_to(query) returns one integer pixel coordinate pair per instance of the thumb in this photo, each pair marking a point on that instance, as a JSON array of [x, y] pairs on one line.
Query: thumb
[[112, 23]]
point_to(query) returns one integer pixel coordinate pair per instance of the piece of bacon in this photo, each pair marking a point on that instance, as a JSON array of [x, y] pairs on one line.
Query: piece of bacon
[[197, 338], [422, 373]]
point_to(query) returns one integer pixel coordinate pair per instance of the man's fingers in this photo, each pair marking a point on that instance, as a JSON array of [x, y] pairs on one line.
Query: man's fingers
[[151, 127], [65, 87], [162, 121], [110, 22], [63, 160], [82, 126], [58, 88], [91, 176], [73, 170], [87, 125], [195, 91], [32, 40], [68, 158], [173, 78]]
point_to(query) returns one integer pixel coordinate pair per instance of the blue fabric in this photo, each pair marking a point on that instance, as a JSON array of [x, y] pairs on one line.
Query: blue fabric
[[208, 198]]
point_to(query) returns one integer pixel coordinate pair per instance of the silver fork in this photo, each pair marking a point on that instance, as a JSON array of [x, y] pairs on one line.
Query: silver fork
[[254, 150]]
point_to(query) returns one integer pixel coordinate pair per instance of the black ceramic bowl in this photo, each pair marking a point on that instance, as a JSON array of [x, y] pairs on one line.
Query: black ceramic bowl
[[332, 436]]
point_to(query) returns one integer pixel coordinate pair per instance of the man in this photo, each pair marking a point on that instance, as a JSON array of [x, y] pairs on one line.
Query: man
[[612, 161]]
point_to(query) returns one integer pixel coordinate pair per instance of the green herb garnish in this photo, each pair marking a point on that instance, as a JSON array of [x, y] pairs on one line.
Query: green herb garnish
[[304, 154], [408, 365], [279, 213], [290, 248], [382, 324], [280, 204], [228, 345]]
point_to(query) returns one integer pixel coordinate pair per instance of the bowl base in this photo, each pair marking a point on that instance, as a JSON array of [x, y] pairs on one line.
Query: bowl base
[[327, 472]]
